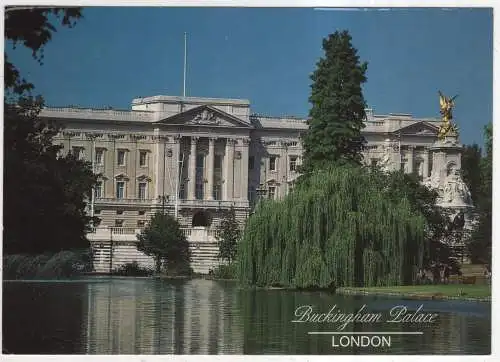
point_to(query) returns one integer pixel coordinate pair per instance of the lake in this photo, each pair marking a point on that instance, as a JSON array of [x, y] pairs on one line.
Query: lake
[[108, 315]]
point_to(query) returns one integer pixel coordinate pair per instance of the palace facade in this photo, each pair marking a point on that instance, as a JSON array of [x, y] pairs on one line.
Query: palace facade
[[198, 157]]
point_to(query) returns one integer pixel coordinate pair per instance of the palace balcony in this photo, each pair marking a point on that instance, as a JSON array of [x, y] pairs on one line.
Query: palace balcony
[[204, 204], [108, 233], [212, 204], [105, 201]]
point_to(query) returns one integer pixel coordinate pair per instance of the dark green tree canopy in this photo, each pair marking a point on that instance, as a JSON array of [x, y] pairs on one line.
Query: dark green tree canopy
[[480, 243], [228, 236], [164, 240], [471, 169], [45, 192], [338, 106]]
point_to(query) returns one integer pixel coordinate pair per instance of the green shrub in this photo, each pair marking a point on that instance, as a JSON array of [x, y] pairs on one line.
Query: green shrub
[[225, 271], [133, 269], [65, 263]]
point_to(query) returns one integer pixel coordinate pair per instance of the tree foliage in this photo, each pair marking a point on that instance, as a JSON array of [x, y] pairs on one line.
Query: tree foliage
[[439, 227], [481, 239], [228, 236], [164, 240], [337, 227], [338, 106], [45, 193], [33, 28], [471, 170]]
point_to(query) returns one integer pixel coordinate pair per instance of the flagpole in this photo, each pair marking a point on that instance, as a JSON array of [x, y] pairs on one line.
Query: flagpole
[[185, 65]]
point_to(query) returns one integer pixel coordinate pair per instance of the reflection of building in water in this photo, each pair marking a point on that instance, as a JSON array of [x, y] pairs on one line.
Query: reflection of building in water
[[145, 316], [211, 326], [120, 317]]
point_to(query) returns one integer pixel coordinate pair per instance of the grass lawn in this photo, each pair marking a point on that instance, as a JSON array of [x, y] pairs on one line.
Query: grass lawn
[[445, 290]]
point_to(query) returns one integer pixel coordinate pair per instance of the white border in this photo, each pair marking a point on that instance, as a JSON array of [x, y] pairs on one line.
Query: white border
[[495, 348]]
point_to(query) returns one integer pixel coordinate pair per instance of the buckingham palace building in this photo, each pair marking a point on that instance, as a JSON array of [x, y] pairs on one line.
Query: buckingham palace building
[[195, 158]]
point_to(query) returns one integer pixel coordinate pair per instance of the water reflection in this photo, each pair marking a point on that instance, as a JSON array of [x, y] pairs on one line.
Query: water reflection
[[146, 316], [158, 317]]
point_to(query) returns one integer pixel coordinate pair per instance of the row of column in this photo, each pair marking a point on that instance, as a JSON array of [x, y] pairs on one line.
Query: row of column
[[411, 161], [228, 167]]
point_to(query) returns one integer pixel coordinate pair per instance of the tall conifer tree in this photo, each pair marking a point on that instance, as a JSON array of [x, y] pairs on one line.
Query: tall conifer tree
[[338, 106]]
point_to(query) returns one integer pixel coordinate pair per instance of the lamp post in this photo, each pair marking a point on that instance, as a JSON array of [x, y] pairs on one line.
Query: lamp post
[[164, 200], [261, 191]]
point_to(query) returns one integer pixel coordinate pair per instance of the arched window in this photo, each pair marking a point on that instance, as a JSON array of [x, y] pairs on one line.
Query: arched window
[[201, 218]]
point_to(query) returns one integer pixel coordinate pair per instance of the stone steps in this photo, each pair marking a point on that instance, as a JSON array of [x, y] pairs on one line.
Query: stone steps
[[204, 256]]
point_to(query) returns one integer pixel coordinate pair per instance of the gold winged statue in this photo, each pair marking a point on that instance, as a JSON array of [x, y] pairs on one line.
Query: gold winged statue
[[446, 105]]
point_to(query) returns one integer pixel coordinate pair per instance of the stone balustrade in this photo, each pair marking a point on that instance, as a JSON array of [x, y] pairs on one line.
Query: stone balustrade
[[116, 246], [104, 114], [115, 201]]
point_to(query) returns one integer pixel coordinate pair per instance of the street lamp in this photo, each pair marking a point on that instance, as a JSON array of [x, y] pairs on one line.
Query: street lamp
[[261, 192]]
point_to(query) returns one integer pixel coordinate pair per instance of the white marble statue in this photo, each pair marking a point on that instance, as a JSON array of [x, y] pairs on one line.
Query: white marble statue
[[386, 160], [455, 191]]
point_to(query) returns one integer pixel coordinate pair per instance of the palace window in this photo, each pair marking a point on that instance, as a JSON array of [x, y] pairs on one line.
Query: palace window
[[373, 162], [200, 158], [182, 191], [217, 191], [141, 223], [252, 194], [404, 161], [272, 192], [293, 163], [118, 223], [120, 158], [97, 212], [78, 152], [120, 189], [142, 212], [98, 191], [217, 195], [419, 169], [272, 163], [143, 157], [99, 157], [251, 163], [119, 212], [142, 190]]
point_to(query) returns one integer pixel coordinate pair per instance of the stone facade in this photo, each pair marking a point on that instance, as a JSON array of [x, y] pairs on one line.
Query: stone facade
[[197, 157]]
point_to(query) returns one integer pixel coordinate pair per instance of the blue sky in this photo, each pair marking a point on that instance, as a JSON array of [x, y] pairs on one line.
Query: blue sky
[[267, 55]]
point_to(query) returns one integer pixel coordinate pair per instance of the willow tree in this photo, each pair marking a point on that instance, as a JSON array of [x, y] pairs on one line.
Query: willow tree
[[337, 227], [338, 106]]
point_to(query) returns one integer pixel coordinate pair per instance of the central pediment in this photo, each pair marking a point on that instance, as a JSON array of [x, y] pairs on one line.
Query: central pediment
[[419, 128], [205, 116]]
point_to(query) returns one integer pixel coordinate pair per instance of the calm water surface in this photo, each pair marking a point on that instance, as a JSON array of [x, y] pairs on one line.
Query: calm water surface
[[147, 316]]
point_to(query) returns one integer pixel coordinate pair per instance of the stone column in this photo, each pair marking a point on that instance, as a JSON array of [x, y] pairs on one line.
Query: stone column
[[158, 163], [192, 169], [244, 169], [228, 170], [411, 160], [209, 190], [426, 164], [175, 164]]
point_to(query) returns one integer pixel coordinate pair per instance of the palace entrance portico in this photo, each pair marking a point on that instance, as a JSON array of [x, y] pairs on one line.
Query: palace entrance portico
[[203, 148]]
